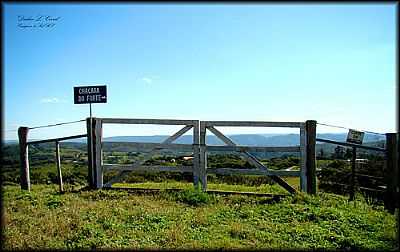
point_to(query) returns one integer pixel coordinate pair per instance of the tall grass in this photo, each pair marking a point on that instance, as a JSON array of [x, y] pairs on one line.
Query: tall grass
[[80, 219]]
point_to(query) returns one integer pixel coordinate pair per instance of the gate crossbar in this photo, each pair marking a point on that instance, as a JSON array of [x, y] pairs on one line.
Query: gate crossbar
[[146, 168]]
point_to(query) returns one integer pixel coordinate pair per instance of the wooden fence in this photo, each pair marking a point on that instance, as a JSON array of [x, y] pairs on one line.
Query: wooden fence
[[199, 148], [24, 157], [391, 168]]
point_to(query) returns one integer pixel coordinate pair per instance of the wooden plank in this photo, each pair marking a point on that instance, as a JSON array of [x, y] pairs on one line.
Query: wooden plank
[[284, 173], [236, 171], [253, 160], [254, 148], [136, 146], [368, 176], [24, 158], [178, 134], [229, 142], [253, 124], [310, 156], [57, 139], [392, 172], [303, 159], [148, 121], [370, 189], [58, 163], [221, 136], [350, 145], [148, 168]]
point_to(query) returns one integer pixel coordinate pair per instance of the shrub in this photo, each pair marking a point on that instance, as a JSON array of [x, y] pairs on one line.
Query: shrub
[[193, 197]]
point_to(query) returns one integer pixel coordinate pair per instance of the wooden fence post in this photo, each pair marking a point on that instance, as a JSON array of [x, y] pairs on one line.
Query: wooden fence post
[[392, 171], [196, 155], [58, 162], [98, 161], [203, 157], [89, 127], [310, 150], [24, 158], [303, 159]]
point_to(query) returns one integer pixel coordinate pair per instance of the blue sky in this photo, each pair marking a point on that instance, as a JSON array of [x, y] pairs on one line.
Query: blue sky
[[265, 62]]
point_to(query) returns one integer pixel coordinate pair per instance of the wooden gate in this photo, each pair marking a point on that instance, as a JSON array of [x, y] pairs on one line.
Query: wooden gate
[[98, 167], [200, 149], [307, 152]]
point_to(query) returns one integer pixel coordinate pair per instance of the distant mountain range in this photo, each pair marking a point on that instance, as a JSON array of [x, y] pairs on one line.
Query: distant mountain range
[[243, 139], [240, 139]]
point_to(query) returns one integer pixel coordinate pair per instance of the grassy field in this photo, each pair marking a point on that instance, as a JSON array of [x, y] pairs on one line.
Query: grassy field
[[264, 188], [77, 219]]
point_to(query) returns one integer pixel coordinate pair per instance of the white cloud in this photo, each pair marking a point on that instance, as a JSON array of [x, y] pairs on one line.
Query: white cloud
[[147, 80], [51, 100]]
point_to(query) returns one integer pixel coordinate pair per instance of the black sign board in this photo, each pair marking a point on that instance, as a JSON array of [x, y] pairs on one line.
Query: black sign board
[[355, 136], [90, 94]]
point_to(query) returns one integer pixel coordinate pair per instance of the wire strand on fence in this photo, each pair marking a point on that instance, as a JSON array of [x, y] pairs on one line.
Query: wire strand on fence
[[335, 126], [57, 124]]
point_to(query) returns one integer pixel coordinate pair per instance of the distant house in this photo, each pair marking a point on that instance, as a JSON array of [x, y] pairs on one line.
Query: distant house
[[359, 160], [173, 160]]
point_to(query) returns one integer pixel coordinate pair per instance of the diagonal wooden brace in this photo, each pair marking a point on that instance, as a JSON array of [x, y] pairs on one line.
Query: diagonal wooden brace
[[229, 142], [253, 159]]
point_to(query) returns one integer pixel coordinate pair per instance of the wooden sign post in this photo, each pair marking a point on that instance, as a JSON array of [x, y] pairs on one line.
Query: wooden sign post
[[355, 137], [85, 95], [90, 94]]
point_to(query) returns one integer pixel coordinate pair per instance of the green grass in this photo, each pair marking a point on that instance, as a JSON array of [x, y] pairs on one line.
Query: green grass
[[264, 188], [189, 220]]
